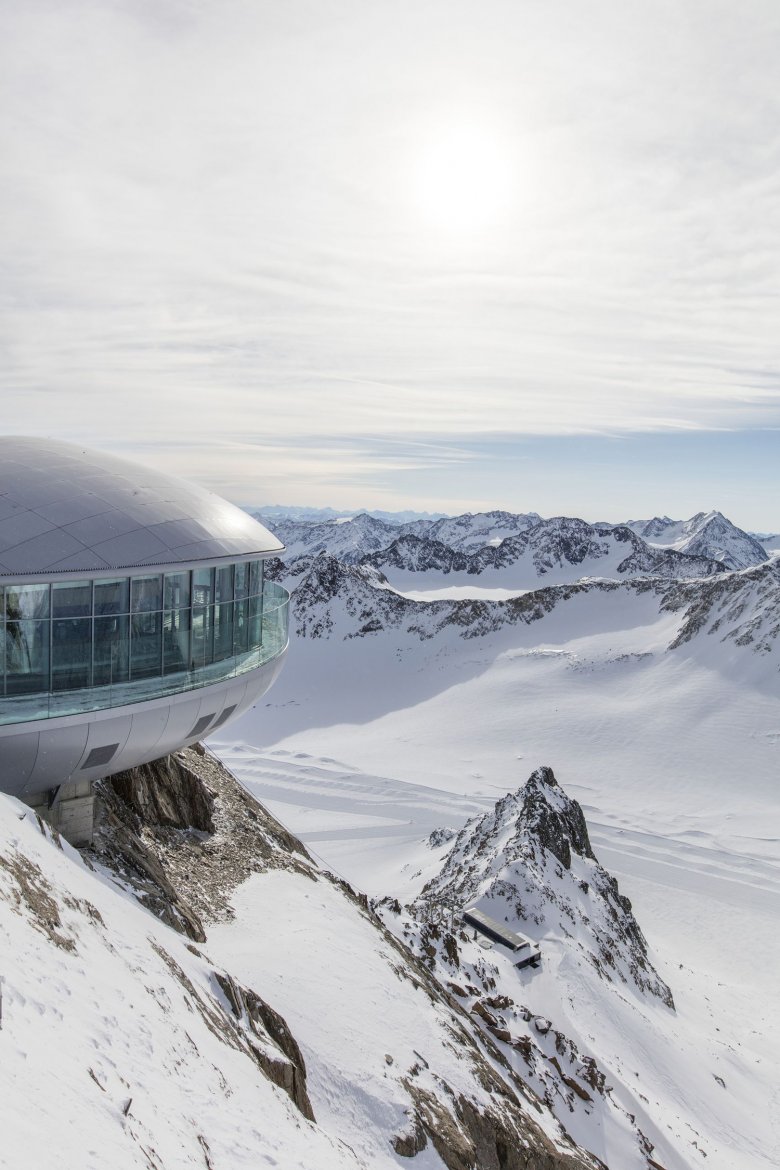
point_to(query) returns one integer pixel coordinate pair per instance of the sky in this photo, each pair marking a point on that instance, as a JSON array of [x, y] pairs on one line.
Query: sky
[[414, 254]]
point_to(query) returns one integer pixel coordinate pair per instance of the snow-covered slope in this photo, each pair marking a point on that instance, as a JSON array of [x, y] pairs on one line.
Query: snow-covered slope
[[720, 619], [125, 1045], [707, 534], [121, 1046]]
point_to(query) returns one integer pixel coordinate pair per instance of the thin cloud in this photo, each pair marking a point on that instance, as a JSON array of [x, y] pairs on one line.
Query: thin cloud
[[207, 214]]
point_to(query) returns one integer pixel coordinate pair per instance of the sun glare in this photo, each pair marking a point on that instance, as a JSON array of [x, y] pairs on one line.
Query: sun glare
[[464, 180]]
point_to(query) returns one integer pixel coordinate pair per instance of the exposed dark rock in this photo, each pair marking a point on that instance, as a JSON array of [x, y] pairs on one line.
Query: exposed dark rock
[[408, 1145], [448, 1137], [126, 845], [251, 1027], [739, 607], [468, 1137], [440, 837], [479, 1009], [187, 872], [571, 1082], [558, 827], [166, 792], [288, 1074], [32, 895]]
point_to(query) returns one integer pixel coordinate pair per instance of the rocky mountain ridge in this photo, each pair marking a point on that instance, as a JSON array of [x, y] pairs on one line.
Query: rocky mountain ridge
[[706, 535], [544, 548], [333, 600], [349, 540], [354, 537], [473, 531]]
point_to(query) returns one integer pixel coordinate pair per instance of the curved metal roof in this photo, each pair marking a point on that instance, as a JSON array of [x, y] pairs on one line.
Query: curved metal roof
[[66, 509]]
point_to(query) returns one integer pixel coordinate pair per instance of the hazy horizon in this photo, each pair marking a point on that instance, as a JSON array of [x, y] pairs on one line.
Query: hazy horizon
[[329, 512]]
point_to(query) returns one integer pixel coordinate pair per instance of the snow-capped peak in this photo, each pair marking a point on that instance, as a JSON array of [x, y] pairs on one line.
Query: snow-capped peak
[[707, 534], [529, 862]]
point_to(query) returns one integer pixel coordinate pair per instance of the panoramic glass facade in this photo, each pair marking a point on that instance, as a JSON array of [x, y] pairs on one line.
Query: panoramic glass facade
[[70, 646]]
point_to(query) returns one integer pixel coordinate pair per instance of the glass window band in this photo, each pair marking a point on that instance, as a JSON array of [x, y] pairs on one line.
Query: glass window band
[[114, 641]]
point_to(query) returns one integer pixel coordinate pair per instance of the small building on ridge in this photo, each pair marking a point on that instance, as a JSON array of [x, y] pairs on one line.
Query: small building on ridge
[[524, 952]]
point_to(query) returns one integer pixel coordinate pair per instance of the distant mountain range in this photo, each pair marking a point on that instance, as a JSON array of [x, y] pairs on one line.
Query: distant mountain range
[[560, 549], [518, 550], [768, 540], [474, 575]]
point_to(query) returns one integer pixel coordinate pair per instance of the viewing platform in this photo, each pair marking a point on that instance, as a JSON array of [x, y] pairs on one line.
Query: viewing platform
[[134, 615]]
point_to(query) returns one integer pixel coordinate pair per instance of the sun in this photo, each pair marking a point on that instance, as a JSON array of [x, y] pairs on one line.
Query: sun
[[464, 180]]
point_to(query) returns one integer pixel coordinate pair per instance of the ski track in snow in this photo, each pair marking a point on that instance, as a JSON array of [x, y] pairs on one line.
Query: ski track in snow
[[299, 790], [654, 854]]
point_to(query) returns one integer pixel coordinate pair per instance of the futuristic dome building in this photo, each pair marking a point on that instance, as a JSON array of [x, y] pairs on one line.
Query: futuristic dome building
[[134, 618]]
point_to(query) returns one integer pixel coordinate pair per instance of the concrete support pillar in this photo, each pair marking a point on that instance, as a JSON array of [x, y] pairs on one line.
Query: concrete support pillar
[[70, 809]]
